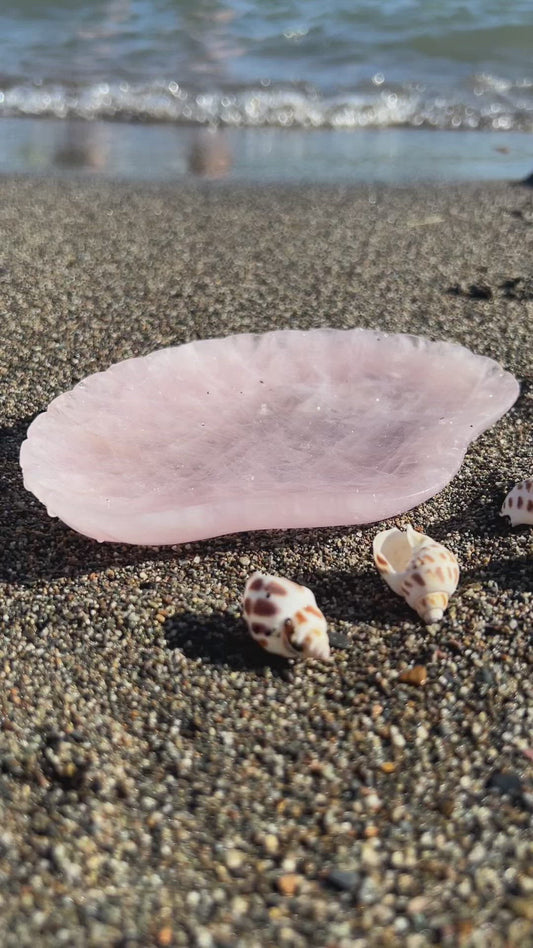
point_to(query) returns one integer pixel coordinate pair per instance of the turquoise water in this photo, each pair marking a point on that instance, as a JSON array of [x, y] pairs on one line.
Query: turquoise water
[[445, 64]]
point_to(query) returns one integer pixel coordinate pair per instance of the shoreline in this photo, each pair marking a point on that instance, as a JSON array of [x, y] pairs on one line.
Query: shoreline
[[164, 782], [166, 152]]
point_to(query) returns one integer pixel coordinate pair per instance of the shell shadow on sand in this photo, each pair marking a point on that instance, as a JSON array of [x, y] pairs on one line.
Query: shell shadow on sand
[[221, 639]]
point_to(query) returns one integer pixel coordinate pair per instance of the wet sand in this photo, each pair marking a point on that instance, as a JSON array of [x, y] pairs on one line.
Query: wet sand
[[161, 781]]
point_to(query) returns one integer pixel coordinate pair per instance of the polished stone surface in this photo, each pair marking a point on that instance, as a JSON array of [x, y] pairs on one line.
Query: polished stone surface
[[276, 430]]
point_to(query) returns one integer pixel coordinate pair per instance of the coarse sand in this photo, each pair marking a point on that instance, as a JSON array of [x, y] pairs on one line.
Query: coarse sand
[[162, 781]]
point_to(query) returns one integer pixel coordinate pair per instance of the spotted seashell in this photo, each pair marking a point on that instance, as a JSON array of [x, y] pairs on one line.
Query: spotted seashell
[[518, 505], [424, 572], [283, 617]]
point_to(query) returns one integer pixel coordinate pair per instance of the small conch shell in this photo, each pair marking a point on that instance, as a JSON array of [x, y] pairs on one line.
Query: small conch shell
[[518, 505], [283, 617], [424, 572]]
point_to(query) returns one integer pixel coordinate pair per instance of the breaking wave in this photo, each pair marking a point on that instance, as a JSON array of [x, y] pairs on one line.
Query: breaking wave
[[485, 102]]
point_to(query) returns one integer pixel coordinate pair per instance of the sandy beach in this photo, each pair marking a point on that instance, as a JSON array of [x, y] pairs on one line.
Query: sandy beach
[[162, 781]]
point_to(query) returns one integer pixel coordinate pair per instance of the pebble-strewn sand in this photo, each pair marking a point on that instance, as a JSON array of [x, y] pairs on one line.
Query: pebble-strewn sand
[[161, 781]]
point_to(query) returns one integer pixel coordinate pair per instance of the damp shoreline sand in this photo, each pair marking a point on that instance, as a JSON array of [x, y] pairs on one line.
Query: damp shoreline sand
[[161, 782]]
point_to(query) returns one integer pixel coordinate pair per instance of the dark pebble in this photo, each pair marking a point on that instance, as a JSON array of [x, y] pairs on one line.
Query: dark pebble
[[338, 640], [517, 288], [476, 291], [479, 291], [506, 783], [343, 880]]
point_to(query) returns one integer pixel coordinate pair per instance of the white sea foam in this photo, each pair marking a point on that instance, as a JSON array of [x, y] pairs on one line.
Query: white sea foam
[[491, 103]]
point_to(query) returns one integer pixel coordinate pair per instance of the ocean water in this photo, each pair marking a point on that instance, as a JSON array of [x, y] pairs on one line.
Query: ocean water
[[345, 64]]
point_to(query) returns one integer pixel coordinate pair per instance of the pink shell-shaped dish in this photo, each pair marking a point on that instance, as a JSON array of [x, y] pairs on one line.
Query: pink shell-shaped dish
[[285, 429]]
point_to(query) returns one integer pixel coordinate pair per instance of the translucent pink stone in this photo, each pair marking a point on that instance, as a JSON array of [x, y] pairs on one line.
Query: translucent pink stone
[[285, 429]]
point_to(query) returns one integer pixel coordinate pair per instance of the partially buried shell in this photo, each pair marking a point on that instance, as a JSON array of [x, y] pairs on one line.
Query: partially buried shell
[[518, 505], [418, 568], [283, 617]]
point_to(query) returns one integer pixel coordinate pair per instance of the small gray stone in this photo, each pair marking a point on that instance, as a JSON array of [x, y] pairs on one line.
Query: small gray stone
[[343, 880]]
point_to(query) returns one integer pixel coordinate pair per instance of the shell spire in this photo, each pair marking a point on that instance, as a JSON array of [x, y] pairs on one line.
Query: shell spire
[[418, 568], [283, 617], [518, 505]]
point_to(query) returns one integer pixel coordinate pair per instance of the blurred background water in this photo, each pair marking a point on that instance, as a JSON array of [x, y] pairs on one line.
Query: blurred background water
[[255, 64]]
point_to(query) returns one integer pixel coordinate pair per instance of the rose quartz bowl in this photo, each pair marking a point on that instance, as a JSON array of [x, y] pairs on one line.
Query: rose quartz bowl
[[285, 429]]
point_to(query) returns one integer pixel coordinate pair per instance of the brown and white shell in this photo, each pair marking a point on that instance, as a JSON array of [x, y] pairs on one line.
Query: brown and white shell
[[283, 617], [418, 568], [518, 505]]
